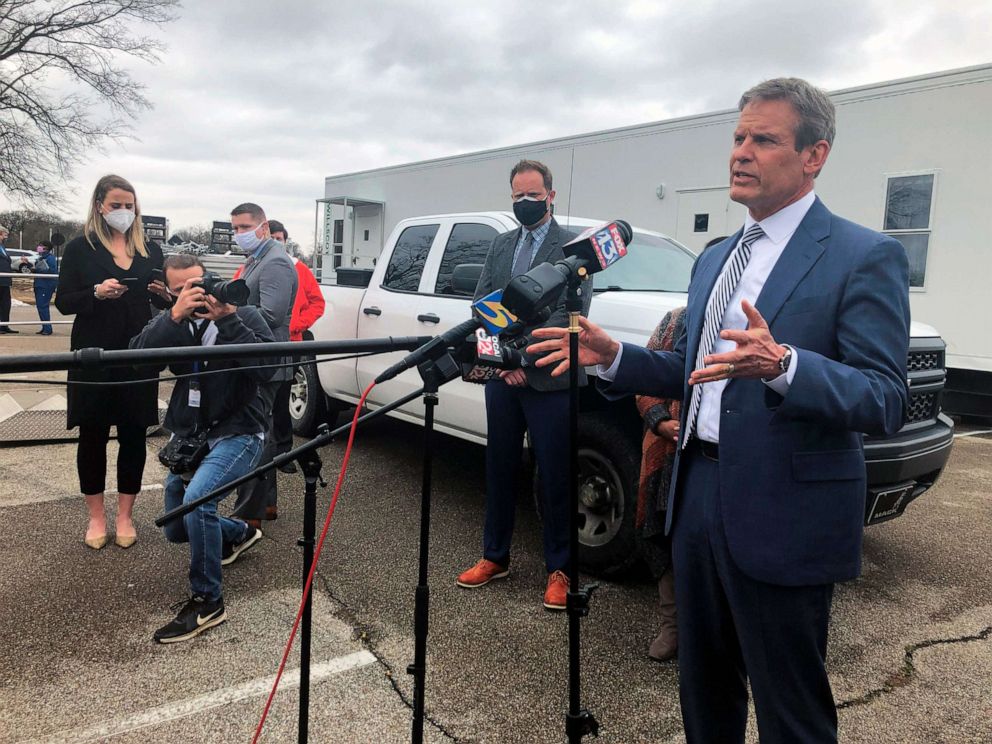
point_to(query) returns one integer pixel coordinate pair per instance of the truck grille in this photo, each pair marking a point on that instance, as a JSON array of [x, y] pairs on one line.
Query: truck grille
[[925, 361], [922, 407]]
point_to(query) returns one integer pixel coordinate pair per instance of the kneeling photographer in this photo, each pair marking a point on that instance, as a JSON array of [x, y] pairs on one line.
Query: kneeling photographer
[[218, 428]]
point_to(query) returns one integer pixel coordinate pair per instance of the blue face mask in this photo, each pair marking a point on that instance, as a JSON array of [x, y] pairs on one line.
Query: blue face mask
[[248, 241]]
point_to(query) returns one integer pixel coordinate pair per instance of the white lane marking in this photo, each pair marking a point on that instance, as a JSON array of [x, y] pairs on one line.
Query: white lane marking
[[208, 701], [972, 433], [25, 501]]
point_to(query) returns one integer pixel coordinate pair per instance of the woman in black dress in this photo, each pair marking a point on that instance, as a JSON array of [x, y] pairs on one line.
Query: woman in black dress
[[106, 281]]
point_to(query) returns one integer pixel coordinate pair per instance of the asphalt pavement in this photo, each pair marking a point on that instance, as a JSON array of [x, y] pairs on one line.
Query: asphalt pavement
[[910, 655]]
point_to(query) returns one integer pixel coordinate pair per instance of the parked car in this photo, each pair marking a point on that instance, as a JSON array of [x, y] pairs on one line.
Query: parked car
[[410, 293], [22, 261]]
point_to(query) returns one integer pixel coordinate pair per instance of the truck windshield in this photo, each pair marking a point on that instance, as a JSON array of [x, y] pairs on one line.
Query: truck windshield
[[652, 263]]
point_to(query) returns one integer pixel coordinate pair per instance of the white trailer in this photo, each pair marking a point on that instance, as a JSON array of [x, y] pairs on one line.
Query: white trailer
[[910, 159]]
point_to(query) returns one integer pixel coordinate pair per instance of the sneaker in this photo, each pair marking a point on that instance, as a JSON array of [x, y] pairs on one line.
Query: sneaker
[[557, 592], [481, 574], [230, 551], [197, 615]]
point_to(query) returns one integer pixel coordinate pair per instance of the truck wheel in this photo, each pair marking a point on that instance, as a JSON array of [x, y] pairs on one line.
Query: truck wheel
[[609, 465], [308, 407]]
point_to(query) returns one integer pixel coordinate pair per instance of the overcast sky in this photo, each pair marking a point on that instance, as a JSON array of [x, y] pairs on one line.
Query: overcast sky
[[260, 101]]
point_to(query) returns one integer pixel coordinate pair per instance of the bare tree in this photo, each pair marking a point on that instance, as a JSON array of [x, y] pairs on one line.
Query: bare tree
[[62, 90], [194, 233]]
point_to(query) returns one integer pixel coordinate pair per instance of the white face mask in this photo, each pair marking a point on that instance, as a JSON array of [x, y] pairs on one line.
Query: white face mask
[[119, 219], [248, 241]]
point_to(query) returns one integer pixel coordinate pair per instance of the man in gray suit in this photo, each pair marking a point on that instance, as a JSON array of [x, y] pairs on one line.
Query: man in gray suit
[[526, 398], [271, 281]]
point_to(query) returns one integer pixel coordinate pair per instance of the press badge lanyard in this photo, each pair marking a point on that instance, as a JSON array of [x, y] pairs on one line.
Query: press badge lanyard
[[194, 383]]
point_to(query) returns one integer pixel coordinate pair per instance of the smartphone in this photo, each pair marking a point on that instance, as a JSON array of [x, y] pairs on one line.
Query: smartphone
[[129, 281], [158, 276]]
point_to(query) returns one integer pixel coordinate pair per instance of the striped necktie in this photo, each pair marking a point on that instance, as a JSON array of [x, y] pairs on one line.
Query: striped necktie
[[715, 309]]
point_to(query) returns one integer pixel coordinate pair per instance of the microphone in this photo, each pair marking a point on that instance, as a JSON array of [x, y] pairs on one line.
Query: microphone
[[487, 312], [599, 247], [490, 358], [592, 251]]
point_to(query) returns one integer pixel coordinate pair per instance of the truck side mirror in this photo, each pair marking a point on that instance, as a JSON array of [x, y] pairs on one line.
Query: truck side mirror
[[465, 278]]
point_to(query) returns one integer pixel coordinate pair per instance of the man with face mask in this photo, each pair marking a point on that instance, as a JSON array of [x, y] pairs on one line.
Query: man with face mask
[[5, 268], [45, 288], [526, 399], [272, 283]]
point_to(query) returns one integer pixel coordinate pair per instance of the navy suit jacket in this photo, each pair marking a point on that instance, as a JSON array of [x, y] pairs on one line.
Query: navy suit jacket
[[792, 469]]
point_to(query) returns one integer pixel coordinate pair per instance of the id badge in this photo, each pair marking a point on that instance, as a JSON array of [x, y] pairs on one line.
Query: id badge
[[194, 395]]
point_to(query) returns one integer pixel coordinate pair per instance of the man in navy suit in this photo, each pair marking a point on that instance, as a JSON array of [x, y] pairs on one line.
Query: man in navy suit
[[525, 399], [797, 331]]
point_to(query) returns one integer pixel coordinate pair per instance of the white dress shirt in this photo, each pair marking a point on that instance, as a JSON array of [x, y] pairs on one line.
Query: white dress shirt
[[765, 252]]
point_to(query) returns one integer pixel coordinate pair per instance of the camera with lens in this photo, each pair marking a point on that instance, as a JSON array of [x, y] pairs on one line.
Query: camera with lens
[[182, 455], [229, 291]]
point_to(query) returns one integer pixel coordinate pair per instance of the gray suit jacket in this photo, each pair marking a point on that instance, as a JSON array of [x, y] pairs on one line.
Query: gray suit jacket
[[272, 281], [496, 275]]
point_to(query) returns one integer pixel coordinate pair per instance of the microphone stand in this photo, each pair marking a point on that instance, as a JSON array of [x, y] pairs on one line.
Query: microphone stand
[[310, 463], [434, 373], [579, 722]]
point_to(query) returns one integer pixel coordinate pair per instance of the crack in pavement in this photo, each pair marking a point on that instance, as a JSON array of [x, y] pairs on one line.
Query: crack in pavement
[[366, 636], [905, 675]]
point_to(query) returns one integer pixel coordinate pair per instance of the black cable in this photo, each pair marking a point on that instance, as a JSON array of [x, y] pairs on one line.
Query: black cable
[[170, 378]]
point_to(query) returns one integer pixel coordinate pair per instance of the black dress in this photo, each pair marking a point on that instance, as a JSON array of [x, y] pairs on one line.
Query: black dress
[[108, 324]]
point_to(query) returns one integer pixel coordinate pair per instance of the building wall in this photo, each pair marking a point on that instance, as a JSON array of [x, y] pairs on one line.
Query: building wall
[[936, 123]]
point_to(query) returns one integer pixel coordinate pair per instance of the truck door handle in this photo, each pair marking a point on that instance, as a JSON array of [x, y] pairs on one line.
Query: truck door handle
[[372, 310], [428, 318]]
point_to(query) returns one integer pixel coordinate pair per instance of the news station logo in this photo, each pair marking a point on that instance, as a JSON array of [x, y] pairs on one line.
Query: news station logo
[[495, 318], [609, 245], [487, 347]]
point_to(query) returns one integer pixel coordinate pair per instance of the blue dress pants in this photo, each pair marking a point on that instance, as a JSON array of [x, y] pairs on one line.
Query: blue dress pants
[[733, 628], [510, 411]]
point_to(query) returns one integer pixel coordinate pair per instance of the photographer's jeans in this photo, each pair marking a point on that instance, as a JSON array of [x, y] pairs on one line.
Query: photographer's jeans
[[203, 528]]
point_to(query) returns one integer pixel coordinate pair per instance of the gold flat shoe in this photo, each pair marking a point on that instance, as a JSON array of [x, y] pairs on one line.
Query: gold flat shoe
[[125, 541], [95, 542]]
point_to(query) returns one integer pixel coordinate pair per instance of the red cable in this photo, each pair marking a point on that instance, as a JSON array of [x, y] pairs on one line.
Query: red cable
[[313, 566]]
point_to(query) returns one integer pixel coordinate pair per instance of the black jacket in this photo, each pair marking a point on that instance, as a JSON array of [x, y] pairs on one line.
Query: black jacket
[[230, 401], [6, 267], [107, 324]]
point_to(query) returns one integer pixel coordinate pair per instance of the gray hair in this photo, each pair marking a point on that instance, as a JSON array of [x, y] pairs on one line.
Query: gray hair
[[4, 230], [817, 117]]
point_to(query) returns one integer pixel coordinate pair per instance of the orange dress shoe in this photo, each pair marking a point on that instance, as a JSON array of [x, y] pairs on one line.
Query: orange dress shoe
[[481, 574], [557, 591]]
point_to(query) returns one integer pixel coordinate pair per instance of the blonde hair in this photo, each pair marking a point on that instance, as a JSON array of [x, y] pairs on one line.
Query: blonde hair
[[134, 238]]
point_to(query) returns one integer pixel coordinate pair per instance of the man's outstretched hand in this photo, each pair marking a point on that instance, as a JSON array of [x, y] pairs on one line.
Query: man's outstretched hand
[[756, 356], [595, 347]]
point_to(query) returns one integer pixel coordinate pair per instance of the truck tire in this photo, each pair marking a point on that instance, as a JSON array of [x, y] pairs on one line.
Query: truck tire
[[609, 467], [308, 406]]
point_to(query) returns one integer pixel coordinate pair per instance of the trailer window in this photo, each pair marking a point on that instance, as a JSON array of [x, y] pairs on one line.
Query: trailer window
[[908, 213], [652, 263], [408, 259], [468, 244]]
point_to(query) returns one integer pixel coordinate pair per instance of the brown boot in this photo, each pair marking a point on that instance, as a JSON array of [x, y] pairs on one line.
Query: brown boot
[[666, 646]]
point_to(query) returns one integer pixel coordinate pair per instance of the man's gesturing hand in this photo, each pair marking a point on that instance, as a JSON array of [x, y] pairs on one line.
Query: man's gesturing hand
[[595, 347], [757, 354]]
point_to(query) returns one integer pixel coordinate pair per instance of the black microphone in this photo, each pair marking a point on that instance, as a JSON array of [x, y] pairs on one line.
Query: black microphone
[[592, 251], [490, 357], [599, 247], [433, 349]]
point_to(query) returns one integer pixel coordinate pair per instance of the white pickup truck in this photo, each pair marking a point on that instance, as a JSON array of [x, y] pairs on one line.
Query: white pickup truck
[[410, 293]]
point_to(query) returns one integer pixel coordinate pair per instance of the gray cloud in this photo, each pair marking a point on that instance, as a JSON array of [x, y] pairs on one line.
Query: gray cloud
[[262, 100]]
